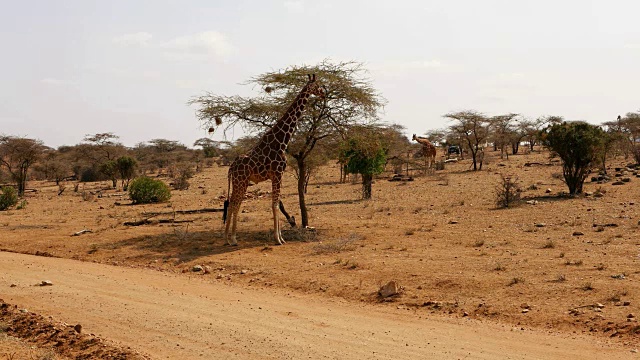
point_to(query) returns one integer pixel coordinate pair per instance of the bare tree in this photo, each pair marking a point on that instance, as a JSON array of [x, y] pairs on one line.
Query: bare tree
[[349, 99], [472, 128], [502, 130], [17, 155]]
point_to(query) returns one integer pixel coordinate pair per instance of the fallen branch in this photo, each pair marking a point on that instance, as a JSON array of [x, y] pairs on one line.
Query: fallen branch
[[153, 222], [196, 211], [290, 219], [84, 231]]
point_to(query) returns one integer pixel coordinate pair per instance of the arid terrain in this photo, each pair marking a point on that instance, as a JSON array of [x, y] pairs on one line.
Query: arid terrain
[[554, 265]]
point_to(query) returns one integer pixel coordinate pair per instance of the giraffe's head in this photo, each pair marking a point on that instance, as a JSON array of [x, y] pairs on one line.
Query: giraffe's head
[[314, 88], [414, 137]]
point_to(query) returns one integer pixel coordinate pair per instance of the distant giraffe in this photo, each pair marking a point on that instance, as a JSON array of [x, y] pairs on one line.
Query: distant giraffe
[[266, 161], [428, 149]]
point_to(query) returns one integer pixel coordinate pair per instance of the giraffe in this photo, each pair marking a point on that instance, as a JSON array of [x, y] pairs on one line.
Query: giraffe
[[266, 161], [428, 149]]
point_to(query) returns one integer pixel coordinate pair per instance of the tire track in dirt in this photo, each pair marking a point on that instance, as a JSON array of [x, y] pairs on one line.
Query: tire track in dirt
[[170, 316]]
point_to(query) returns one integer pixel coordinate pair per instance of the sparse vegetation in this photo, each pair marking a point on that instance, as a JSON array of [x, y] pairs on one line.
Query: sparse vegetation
[[507, 191], [587, 286], [579, 145], [8, 198], [499, 267], [144, 190]]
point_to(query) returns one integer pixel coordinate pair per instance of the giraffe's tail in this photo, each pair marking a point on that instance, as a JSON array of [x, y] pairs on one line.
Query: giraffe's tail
[[224, 211], [225, 208]]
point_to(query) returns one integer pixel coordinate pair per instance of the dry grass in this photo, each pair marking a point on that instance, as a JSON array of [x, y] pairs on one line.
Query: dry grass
[[436, 235], [15, 349]]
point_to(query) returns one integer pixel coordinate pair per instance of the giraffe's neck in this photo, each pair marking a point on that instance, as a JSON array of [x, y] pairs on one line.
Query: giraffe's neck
[[280, 134]]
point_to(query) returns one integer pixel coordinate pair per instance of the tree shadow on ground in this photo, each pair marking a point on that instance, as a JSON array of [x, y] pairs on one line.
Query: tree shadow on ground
[[555, 197], [335, 202], [184, 246]]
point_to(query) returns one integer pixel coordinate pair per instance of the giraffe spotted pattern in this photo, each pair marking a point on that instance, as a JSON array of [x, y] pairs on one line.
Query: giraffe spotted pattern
[[266, 161]]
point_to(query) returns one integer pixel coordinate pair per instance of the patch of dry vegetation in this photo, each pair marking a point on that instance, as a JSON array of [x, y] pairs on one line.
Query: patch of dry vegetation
[[440, 236]]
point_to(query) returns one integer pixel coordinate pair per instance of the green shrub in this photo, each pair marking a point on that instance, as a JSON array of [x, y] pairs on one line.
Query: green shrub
[[144, 190], [8, 198], [579, 145]]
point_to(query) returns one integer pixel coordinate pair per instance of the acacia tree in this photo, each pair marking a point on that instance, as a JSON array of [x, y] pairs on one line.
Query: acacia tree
[[53, 166], [365, 154], [210, 148], [502, 132], [97, 152], [627, 133], [126, 167], [350, 99], [17, 155], [472, 128], [579, 145]]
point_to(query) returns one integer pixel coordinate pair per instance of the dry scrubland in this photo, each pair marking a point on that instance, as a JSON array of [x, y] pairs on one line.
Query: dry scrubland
[[567, 264]]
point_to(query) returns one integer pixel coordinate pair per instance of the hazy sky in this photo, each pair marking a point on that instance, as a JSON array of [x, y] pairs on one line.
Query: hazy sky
[[76, 67]]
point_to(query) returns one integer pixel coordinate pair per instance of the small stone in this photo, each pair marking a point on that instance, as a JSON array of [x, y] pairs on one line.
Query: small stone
[[626, 303], [588, 193], [390, 289], [617, 183], [197, 268], [465, 314], [630, 316], [578, 233], [453, 221], [618, 276], [244, 271], [626, 179], [540, 224], [532, 202], [219, 276], [548, 191], [46, 283], [524, 311], [13, 285], [24, 311], [207, 269], [599, 305], [78, 328], [634, 351]]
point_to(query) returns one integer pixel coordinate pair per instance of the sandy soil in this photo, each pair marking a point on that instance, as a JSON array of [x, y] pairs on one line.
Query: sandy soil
[[12, 348], [561, 264], [171, 316]]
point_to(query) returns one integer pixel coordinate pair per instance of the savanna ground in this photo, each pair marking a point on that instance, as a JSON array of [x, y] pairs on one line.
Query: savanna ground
[[567, 264]]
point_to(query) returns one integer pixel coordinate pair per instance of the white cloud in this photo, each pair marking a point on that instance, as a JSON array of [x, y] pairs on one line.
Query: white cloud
[[199, 46], [186, 84], [135, 39], [294, 6], [511, 76], [396, 67], [54, 81], [632, 46]]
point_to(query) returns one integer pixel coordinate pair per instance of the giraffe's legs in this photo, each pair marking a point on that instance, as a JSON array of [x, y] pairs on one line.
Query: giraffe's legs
[[275, 197], [235, 200]]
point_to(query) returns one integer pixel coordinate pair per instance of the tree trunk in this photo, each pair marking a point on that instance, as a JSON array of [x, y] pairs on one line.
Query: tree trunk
[[21, 180], [473, 158], [302, 174], [366, 186], [515, 146]]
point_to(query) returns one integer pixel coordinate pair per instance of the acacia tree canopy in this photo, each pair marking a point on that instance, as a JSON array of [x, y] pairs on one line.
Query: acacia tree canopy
[[350, 99], [17, 155]]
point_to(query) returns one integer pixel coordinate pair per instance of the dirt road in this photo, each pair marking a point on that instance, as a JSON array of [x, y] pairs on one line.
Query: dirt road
[[170, 317]]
